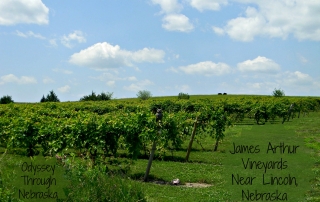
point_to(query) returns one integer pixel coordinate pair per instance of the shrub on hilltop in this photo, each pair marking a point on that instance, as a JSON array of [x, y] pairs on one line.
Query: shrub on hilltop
[[6, 99], [51, 97], [100, 97], [144, 94]]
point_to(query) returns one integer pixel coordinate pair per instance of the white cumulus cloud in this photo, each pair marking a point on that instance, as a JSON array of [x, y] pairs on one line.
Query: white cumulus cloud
[[202, 5], [29, 34], [77, 36], [172, 69], [23, 11], [218, 30], [259, 65], [206, 68], [140, 85], [53, 42], [298, 82], [47, 80], [103, 56], [183, 88], [64, 89], [276, 18], [10, 78], [168, 6], [297, 78], [131, 78], [177, 22], [173, 20], [111, 83]]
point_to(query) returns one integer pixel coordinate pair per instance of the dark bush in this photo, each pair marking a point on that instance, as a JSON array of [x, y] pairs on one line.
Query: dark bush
[[6, 99], [51, 97], [144, 94], [183, 96], [278, 93], [100, 97]]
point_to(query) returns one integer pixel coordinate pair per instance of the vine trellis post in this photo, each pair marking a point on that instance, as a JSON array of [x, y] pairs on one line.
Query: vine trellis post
[[154, 145], [191, 139]]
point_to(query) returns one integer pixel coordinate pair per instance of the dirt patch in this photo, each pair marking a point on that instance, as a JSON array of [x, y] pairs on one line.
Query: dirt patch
[[194, 185], [197, 185], [160, 182]]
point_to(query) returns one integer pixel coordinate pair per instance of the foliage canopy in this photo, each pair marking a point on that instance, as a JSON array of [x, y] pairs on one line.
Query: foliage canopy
[[100, 97], [51, 97], [278, 93], [183, 96], [144, 94], [6, 99]]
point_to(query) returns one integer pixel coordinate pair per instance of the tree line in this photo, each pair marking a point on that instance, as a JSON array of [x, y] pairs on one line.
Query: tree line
[[142, 94]]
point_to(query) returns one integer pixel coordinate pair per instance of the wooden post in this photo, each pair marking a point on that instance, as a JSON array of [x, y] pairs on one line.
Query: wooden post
[[191, 139], [150, 159], [158, 120]]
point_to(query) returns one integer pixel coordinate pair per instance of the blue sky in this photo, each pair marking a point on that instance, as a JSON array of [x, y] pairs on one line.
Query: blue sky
[[164, 46]]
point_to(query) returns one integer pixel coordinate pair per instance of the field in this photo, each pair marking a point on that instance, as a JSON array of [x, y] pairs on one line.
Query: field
[[101, 150]]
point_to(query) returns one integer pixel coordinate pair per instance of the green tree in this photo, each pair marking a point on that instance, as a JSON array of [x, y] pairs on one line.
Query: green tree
[[43, 99], [100, 97], [105, 96], [278, 93], [183, 96], [144, 94], [6, 99], [51, 97], [92, 97]]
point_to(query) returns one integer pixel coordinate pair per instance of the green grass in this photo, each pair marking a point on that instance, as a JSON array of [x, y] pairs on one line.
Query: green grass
[[17, 174], [212, 96], [215, 168], [296, 165]]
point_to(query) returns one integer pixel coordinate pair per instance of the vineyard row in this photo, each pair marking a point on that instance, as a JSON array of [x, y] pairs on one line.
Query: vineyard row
[[100, 129]]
